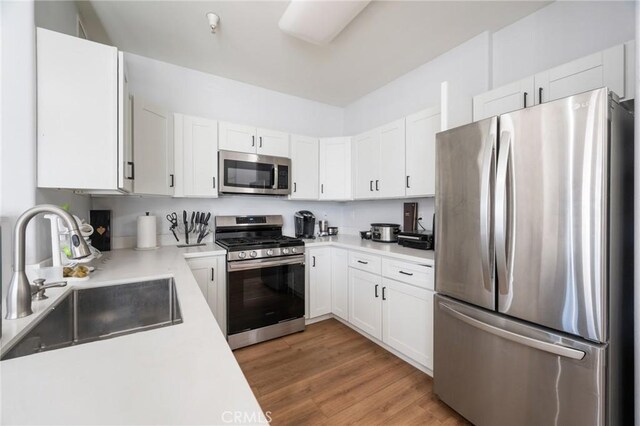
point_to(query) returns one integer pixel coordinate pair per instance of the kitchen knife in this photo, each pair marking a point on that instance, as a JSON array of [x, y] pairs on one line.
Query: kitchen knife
[[186, 226], [193, 216], [197, 226]]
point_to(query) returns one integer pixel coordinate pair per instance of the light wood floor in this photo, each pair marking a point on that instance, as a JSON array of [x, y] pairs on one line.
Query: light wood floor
[[329, 374]]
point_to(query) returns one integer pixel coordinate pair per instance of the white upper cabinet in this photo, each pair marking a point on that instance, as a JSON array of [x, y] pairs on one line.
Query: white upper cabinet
[[366, 152], [605, 68], [391, 176], [272, 142], [196, 156], [241, 138], [237, 137], [421, 129], [379, 156], [81, 95], [335, 168], [504, 99], [305, 168], [152, 149]]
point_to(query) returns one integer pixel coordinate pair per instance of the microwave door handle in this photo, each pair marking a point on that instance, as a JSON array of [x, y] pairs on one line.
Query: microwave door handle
[[274, 177]]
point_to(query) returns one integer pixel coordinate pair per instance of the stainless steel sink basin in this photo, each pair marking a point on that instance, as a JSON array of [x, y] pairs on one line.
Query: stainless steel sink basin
[[86, 315]]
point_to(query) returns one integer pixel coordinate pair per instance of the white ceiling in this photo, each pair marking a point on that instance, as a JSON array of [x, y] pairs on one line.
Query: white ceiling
[[386, 40]]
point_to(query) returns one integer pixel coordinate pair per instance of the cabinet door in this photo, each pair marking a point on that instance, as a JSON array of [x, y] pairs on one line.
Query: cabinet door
[[77, 107], [365, 302], [152, 149], [237, 137], [407, 324], [335, 168], [210, 275], [507, 98], [272, 142], [319, 281], [366, 151], [421, 152], [605, 68], [305, 168], [340, 283], [125, 141], [390, 182], [200, 157]]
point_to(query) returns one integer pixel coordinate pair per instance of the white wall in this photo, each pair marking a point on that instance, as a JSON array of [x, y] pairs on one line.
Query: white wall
[[559, 33], [196, 93], [466, 67]]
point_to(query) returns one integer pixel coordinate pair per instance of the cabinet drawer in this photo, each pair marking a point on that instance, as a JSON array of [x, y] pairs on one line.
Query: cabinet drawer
[[407, 272], [365, 262]]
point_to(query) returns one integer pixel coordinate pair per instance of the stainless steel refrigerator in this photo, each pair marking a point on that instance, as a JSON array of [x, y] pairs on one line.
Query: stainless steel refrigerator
[[534, 265]]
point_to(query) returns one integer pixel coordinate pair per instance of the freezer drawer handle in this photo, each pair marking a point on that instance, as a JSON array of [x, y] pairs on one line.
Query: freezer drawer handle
[[517, 338]]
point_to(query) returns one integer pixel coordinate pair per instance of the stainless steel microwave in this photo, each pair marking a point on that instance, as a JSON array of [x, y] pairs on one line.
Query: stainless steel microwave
[[243, 173]]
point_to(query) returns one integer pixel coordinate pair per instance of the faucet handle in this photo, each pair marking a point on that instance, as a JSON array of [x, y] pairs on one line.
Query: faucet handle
[[37, 290]]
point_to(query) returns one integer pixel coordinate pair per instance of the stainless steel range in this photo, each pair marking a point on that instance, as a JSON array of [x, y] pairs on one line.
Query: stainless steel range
[[265, 279]]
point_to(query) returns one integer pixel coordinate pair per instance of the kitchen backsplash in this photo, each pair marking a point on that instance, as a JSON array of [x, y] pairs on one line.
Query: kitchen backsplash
[[351, 217]]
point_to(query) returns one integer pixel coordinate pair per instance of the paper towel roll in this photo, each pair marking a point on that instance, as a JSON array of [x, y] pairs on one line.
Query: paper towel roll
[[147, 232]]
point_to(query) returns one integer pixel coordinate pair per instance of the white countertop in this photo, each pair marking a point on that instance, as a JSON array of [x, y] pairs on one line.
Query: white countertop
[[182, 374], [354, 242]]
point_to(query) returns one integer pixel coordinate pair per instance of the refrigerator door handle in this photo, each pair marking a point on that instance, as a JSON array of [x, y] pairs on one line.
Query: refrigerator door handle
[[486, 182], [501, 213], [552, 348]]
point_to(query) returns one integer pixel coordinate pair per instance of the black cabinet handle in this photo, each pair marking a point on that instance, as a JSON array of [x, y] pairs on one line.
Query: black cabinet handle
[[172, 181], [525, 99], [540, 95], [214, 181], [253, 141], [260, 141], [406, 273], [363, 262], [377, 189], [383, 296], [130, 163], [213, 274], [295, 187], [376, 290], [408, 182], [314, 261], [370, 185]]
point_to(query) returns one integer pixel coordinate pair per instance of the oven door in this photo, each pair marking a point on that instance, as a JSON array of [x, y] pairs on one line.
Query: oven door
[[242, 173], [264, 292]]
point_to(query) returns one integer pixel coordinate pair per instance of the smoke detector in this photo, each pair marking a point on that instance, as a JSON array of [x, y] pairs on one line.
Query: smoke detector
[[214, 20]]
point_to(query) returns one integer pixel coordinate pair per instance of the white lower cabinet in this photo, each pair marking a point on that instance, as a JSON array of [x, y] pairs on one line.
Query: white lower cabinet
[[210, 274], [407, 325], [319, 261], [340, 283], [365, 303]]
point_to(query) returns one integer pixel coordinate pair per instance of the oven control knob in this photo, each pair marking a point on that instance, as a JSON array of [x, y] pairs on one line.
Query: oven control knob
[[294, 250], [253, 254], [242, 255], [269, 252], [285, 251]]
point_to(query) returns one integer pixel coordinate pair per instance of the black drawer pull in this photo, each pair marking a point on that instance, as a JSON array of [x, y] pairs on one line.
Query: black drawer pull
[[363, 262], [376, 290], [406, 273]]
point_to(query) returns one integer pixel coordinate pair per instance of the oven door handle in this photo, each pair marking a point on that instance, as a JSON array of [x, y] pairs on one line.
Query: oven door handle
[[243, 265]]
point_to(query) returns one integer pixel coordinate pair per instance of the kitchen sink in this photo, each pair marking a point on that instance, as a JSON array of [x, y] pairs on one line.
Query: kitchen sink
[[87, 315]]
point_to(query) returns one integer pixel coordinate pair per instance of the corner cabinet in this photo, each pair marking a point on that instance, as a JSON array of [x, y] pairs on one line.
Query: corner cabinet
[[196, 156], [210, 274], [319, 261], [420, 158], [152, 149], [335, 168], [305, 168], [81, 110], [254, 140]]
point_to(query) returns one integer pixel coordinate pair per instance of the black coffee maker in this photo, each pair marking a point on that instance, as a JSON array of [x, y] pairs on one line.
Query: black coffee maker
[[305, 224]]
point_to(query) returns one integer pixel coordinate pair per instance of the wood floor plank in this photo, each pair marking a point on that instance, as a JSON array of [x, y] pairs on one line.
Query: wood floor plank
[[331, 375]]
